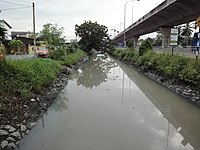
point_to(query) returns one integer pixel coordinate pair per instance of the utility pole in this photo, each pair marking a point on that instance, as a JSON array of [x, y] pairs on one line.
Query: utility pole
[[34, 38], [132, 12], [125, 21]]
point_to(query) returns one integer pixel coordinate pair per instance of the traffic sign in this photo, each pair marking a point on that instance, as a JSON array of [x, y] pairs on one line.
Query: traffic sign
[[174, 37]]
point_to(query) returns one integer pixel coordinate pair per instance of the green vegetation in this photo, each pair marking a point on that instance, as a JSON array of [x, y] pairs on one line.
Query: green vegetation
[[144, 47], [130, 44], [72, 58], [62, 51], [158, 39], [18, 79], [2, 49], [177, 68], [52, 34], [185, 33], [15, 44], [128, 55], [93, 36]]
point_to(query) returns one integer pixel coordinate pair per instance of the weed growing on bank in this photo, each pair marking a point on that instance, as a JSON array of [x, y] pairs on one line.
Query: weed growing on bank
[[68, 54], [72, 58], [18, 79], [175, 67]]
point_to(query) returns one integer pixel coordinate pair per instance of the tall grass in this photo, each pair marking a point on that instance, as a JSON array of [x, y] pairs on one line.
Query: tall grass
[[73, 58], [20, 78]]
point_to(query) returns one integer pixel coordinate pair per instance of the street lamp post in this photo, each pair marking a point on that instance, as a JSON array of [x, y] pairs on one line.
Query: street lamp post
[[125, 20], [34, 38]]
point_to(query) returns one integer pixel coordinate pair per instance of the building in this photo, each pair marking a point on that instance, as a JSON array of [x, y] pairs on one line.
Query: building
[[21, 34], [5, 25]]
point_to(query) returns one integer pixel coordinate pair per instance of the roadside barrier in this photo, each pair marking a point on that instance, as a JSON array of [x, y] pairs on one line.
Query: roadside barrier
[[187, 51]]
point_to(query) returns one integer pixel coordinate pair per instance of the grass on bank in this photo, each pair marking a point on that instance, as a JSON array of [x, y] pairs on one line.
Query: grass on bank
[[72, 58], [175, 67], [20, 78]]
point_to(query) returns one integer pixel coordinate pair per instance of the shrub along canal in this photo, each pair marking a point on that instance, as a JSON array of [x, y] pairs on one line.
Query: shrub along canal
[[107, 105]]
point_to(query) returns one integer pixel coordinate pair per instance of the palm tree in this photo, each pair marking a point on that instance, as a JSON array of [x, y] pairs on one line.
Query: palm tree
[[186, 32]]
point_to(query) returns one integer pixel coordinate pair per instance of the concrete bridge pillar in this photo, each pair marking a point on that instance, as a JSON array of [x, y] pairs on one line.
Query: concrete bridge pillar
[[165, 36]]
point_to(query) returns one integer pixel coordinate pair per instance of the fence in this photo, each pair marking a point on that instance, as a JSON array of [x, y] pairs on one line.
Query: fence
[[187, 51], [19, 55]]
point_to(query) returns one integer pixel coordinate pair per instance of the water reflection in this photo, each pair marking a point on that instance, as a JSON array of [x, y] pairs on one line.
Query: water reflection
[[61, 102], [95, 72], [127, 95], [180, 114]]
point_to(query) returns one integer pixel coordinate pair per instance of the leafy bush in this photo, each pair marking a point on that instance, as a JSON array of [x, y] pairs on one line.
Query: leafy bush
[[144, 47], [191, 72], [116, 52], [15, 44], [72, 58], [130, 44], [73, 48], [61, 51], [127, 54], [146, 60], [174, 67], [58, 54]]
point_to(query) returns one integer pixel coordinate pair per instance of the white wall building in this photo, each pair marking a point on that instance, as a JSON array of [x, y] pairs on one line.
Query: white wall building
[[5, 25]]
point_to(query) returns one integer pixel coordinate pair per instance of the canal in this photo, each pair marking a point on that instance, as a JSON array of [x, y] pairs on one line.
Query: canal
[[107, 105]]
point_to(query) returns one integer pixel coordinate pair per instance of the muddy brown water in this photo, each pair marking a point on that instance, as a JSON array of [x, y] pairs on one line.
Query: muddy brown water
[[107, 105]]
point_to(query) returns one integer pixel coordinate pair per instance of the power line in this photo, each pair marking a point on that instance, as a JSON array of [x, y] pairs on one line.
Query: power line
[[14, 3], [5, 9]]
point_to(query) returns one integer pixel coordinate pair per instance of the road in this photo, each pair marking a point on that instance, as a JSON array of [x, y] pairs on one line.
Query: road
[[107, 105]]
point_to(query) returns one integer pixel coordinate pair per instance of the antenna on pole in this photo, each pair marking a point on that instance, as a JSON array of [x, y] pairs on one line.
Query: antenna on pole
[[34, 38]]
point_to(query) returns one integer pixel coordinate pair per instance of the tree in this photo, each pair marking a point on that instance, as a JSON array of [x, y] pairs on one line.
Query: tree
[[140, 41], [145, 46], [93, 36], [16, 44], [158, 39], [131, 44], [150, 40], [2, 34], [52, 34], [186, 32]]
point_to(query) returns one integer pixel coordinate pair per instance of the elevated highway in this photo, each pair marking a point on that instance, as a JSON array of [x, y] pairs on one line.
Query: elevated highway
[[168, 14]]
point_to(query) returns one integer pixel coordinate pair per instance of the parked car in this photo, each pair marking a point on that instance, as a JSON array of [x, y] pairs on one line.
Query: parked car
[[42, 52]]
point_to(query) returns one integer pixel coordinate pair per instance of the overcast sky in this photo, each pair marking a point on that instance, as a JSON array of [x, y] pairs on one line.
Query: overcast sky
[[67, 13]]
